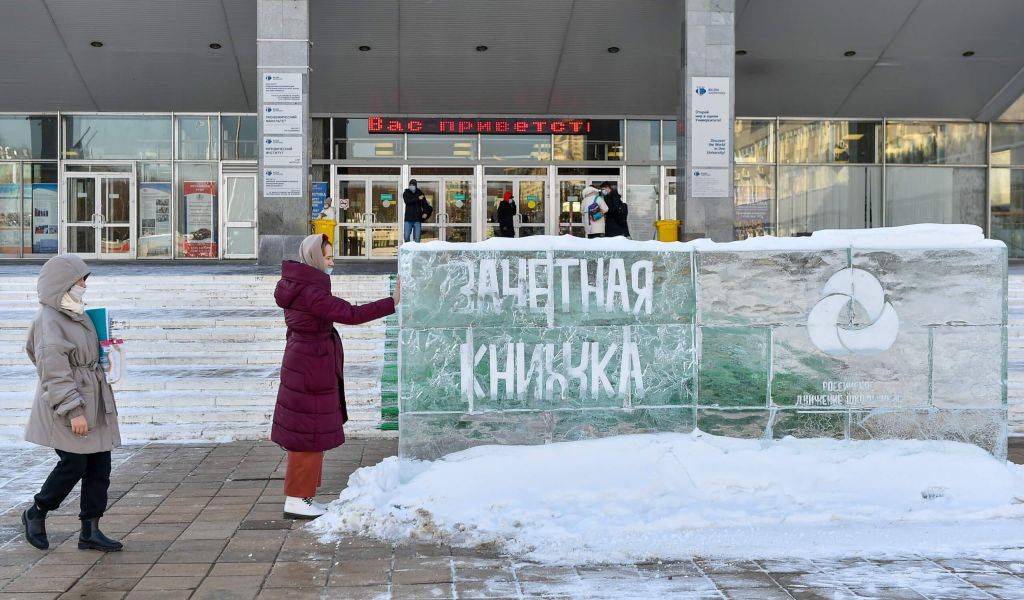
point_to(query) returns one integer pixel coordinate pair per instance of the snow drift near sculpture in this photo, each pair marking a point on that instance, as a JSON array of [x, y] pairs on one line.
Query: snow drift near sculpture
[[874, 334], [696, 494]]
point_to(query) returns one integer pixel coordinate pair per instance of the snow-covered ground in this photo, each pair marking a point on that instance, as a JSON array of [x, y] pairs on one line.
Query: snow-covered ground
[[673, 496]]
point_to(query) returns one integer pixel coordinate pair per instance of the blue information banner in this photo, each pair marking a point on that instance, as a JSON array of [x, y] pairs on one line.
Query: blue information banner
[[318, 195]]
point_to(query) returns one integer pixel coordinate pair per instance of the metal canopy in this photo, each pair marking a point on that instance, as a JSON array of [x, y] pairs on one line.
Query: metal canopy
[[542, 57]]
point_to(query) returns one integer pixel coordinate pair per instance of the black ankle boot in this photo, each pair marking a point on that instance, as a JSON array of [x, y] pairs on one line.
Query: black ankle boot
[[92, 538], [34, 521]]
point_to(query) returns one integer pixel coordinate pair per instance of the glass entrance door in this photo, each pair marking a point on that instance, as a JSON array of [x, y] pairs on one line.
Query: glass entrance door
[[100, 216], [239, 230], [570, 197], [369, 209], [529, 194], [452, 199]]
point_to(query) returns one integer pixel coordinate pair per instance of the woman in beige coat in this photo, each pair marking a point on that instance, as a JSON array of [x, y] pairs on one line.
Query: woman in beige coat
[[74, 410]]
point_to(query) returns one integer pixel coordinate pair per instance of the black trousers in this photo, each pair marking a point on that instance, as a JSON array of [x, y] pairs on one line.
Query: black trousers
[[93, 470]]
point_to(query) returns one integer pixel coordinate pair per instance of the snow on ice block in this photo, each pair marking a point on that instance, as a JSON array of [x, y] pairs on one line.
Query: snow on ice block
[[897, 333]]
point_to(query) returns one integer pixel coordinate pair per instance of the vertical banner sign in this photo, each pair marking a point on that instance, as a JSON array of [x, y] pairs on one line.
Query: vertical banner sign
[[199, 227], [710, 135], [44, 217], [318, 194]]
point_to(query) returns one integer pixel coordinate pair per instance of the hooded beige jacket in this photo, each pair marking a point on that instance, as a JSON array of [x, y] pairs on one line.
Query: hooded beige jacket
[[65, 350]]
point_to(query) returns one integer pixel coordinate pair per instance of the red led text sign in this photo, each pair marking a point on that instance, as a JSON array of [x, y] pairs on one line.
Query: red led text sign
[[521, 126]]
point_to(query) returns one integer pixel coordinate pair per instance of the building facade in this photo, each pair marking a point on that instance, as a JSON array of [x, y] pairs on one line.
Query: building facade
[[173, 186]]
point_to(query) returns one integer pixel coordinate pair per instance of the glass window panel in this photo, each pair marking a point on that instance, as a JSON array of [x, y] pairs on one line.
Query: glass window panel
[[352, 139], [197, 137], [824, 142], [154, 216], [755, 200], [28, 137], [642, 196], [40, 206], [320, 139], [1008, 144], [241, 193], [643, 141], [238, 137], [755, 141], [156, 171], [516, 147], [935, 143], [935, 195], [196, 203], [668, 140], [1008, 209], [118, 137], [442, 146], [828, 197], [10, 210], [604, 142], [241, 240]]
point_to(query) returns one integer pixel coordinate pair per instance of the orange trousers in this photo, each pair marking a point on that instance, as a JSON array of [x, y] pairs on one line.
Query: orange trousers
[[303, 474]]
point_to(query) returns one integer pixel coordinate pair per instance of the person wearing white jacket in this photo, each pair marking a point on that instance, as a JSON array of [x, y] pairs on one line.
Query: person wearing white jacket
[[593, 218]]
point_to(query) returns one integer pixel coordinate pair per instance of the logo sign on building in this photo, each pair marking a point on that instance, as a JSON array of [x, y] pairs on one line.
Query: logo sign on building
[[457, 125], [284, 119], [282, 88], [710, 137], [282, 151], [281, 182]]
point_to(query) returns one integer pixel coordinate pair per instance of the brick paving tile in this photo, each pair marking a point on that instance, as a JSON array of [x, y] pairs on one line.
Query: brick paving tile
[[225, 569], [39, 584], [169, 583], [179, 570], [159, 595], [298, 574], [421, 591]]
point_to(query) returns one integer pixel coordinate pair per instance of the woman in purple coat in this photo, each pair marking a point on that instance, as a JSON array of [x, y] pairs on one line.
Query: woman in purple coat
[[310, 407]]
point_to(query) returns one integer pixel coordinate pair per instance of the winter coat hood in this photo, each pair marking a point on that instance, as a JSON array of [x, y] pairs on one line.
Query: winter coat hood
[[294, 277], [311, 251], [590, 191], [57, 276], [507, 197]]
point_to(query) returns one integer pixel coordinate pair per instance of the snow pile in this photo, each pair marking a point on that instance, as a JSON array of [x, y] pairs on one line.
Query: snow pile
[[671, 496]]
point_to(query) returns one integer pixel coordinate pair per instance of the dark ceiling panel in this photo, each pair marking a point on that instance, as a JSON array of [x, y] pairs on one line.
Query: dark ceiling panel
[[37, 74], [795, 88]]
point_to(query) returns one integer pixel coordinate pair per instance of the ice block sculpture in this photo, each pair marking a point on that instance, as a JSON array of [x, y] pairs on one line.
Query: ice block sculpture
[[886, 333]]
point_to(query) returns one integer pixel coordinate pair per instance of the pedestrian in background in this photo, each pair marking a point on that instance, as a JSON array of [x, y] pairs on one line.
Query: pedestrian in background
[[593, 209], [414, 215], [310, 410], [506, 214], [618, 212], [74, 411]]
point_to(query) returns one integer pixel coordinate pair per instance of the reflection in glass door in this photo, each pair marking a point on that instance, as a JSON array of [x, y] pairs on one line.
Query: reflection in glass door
[[529, 194], [240, 218], [100, 216], [452, 219], [368, 217]]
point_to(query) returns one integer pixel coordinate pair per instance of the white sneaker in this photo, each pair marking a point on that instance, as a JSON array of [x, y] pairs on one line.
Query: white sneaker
[[319, 505], [302, 508]]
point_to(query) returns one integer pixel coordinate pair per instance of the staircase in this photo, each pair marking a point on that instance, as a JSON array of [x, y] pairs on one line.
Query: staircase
[[203, 354]]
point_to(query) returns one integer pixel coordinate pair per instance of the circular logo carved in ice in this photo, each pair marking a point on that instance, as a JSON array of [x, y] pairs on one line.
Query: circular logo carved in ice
[[853, 285]]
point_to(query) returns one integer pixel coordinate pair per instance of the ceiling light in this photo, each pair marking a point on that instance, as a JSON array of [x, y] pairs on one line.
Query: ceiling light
[[364, 48], [613, 50], [969, 53], [481, 48], [215, 46], [741, 53], [849, 53], [853, 137], [96, 44]]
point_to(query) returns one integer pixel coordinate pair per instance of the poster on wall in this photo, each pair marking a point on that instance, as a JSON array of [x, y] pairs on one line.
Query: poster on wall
[[710, 127], [154, 220], [318, 195], [282, 151], [709, 183], [200, 240], [282, 182], [282, 88], [44, 217], [10, 218], [282, 119]]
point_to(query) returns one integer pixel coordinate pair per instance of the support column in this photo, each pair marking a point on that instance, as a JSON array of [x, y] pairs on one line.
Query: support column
[[705, 116], [282, 60]]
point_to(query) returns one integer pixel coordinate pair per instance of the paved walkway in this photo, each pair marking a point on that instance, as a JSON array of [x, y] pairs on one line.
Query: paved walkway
[[205, 522]]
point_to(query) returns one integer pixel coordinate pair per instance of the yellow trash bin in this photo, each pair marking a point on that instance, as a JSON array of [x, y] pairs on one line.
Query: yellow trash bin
[[668, 230], [325, 226]]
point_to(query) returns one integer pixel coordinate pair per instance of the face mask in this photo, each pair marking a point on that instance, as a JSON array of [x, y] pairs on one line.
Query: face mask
[[412, 188], [604, 192], [77, 293], [328, 270]]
